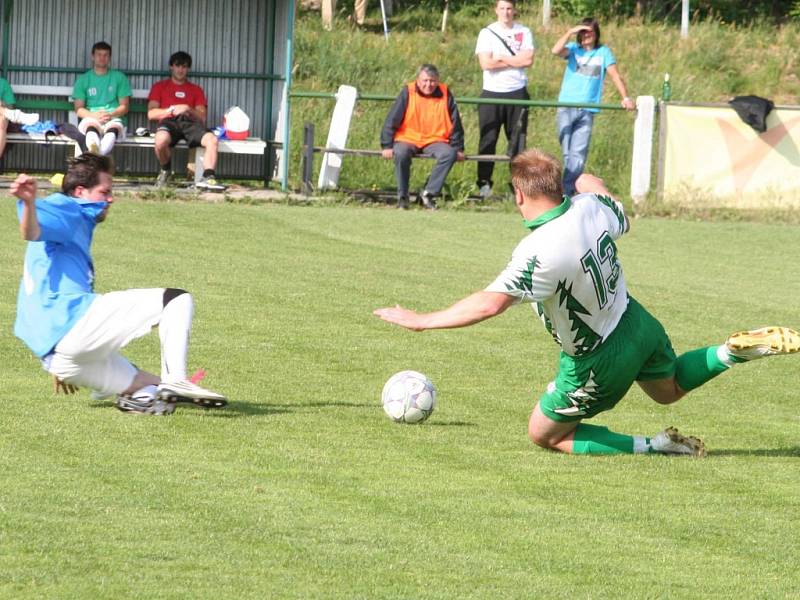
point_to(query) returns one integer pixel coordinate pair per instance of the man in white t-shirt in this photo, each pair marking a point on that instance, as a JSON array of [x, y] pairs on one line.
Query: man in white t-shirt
[[568, 270], [504, 49]]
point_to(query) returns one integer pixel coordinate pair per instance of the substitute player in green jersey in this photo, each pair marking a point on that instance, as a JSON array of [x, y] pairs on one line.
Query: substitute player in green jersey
[[9, 114], [102, 98], [568, 269]]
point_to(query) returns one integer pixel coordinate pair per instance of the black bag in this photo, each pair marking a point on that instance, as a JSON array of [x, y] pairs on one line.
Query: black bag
[[753, 110]]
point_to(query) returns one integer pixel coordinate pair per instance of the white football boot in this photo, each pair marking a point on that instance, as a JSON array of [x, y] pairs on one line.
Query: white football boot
[[670, 441], [186, 391], [758, 343], [145, 402]]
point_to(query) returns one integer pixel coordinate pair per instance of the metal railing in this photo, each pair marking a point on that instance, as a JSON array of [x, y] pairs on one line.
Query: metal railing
[[468, 100]]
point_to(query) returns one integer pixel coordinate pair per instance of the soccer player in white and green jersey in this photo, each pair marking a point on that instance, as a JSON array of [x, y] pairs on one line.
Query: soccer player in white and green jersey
[[568, 269], [102, 98]]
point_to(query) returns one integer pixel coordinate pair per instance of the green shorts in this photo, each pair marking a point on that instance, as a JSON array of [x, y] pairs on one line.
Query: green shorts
[[638, 350]]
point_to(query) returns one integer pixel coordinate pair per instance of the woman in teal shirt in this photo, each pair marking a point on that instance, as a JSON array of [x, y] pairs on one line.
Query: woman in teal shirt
[[588, 61]]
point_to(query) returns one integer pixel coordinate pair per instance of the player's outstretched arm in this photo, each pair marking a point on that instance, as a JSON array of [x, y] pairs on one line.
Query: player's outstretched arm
[[24, 188], [472, 309]]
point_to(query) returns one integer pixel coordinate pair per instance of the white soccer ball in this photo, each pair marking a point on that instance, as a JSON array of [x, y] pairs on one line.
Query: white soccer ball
[[408, 397]]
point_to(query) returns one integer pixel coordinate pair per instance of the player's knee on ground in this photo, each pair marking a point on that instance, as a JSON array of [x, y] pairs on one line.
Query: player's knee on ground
[[540, 438]]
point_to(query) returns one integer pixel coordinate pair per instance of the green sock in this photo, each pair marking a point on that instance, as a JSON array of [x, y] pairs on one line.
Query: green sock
[[592, 439], [698, 366]]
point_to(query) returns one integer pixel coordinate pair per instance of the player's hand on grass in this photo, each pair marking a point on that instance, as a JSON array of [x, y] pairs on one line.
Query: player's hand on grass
[[24, 188], [61, 386], [400, 316]]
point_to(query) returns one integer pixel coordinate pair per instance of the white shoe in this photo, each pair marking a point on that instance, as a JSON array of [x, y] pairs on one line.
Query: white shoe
[[144, 404], [15, 115], [427, 200], [210, 184], [485, 191], [758, 343], [186, 391], [163, 179], [93, 142], [670, 441], [107, 143]]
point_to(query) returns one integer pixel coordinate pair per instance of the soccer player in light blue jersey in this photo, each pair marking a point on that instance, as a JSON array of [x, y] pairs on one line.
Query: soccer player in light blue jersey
[[78, 333], [567, 269]]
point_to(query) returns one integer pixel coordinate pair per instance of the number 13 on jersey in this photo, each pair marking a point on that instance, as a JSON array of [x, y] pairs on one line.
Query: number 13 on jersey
[[603, 267]]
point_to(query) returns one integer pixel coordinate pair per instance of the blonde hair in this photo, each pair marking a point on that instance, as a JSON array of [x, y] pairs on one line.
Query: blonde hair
[[536, 173]]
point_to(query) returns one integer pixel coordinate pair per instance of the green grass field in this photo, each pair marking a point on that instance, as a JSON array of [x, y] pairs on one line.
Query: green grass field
[[302, 488]]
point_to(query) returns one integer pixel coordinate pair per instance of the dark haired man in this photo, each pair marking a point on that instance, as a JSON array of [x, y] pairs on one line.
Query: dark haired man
[[78, 333], [568, 269], [102, 97], [180, 108]]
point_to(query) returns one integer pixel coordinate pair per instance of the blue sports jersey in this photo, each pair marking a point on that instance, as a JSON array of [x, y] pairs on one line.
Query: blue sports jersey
[[58, 277], [584, 75]]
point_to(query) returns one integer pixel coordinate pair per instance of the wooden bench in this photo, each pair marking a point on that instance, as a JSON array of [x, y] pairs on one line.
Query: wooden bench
[[309, 149], [58, 98]]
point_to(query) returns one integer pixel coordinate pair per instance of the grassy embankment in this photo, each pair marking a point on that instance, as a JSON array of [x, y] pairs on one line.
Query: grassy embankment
[[716, 62]]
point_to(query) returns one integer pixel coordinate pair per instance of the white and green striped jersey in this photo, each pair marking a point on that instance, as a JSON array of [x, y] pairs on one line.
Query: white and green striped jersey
[[568, 268]]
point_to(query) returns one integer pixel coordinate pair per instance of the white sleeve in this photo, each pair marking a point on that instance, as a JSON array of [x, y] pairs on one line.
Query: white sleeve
[[525, 277], [605, 209], [484, 43], [528, 43], [615, 213]]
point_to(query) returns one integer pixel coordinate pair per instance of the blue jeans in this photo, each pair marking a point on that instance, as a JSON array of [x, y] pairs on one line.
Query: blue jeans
[[574, 133]]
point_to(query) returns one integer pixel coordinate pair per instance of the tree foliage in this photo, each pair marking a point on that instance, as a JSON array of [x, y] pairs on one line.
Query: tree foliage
[[726, 11]]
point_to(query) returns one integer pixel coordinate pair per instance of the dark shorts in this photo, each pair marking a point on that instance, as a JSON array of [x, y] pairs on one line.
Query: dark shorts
[[183, 128]]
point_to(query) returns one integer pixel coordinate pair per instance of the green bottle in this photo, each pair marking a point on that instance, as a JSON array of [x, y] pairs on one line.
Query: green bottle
[[666, 89]]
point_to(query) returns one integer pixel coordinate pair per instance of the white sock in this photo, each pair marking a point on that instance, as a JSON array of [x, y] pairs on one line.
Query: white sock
[[107, 143], [92, 141], [14, 115], [640, 445], [174, 329], [724, 356]]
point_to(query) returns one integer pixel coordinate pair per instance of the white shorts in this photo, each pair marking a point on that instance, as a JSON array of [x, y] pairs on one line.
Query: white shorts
[[115, 124], [88, 355]]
